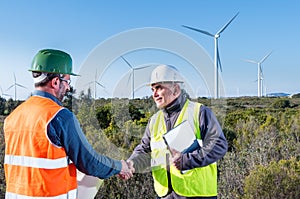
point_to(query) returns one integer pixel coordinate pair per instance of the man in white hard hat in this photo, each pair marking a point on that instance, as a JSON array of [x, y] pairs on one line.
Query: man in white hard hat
[[179, 175]]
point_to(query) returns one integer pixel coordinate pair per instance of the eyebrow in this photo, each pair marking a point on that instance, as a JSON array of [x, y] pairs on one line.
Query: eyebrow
[[156, 86], [160, 86]]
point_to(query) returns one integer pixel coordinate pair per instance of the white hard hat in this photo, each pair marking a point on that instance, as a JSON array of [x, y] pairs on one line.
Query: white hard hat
[[165, 73]]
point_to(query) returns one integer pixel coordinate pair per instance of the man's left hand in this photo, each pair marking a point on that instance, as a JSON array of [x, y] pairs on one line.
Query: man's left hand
[[175, 158]]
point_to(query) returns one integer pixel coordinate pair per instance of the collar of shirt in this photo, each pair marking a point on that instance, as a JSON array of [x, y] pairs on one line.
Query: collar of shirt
[[46, 95], [176, 105]]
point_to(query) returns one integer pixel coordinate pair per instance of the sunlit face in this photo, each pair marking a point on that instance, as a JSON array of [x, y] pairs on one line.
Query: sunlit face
[[163, 94], [63, 87]]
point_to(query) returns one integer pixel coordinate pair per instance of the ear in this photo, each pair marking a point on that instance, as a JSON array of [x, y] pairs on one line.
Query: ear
[[176, 89], [54, 82]]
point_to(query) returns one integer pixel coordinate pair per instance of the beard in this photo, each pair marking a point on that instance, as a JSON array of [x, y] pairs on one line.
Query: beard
[[61, 92]]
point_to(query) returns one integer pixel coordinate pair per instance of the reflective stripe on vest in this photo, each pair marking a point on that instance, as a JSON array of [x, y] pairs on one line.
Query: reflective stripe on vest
[[35, 167], [200, 181], [36, 162], [70, 195], [158, 147]]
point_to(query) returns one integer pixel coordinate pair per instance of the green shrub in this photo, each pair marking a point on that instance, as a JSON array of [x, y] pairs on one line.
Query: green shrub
[[281, 103], [139, 186], [2, 147], [276, 180]]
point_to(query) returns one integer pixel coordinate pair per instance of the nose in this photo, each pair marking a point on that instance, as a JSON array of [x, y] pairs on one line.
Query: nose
[[154, 93], [68, 88]]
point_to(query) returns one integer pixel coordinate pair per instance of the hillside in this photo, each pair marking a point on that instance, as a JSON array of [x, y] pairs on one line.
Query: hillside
[[263, 136]]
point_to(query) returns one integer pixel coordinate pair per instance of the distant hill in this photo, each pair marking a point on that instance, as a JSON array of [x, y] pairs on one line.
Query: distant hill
[[278, 94], [296, 95]]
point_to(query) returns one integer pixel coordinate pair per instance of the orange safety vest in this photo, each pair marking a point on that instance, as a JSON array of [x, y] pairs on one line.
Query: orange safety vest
[[34, 166]]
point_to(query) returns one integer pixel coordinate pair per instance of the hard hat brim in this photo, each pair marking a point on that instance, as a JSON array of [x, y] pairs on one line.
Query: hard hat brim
[[164, 82]]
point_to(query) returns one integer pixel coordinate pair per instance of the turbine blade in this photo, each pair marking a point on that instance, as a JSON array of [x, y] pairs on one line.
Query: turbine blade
[[225, 26], [3, 94], [15, 78], [10, 87], [142, 67], [198, 30], [261, 72], [265, 57], [251, 61], [126, 62], [129, 78], [100, 84], [219, 60], [20, 85]]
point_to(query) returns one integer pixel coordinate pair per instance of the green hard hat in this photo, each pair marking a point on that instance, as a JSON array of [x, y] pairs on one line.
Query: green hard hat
[[52, 61]]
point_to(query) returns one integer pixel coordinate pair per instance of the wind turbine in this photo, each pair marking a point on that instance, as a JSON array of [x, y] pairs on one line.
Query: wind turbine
[[132, 73], [260, 75], [15, 85], [95, 82], [217, 61]]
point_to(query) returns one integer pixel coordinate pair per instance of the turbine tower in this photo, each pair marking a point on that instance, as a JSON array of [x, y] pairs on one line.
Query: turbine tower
[[15, 85], [259, 73], [217, 61], [132, 74]]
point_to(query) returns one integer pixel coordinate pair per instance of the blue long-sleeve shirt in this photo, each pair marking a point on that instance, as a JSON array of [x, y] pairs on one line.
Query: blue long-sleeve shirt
[[64, 131]]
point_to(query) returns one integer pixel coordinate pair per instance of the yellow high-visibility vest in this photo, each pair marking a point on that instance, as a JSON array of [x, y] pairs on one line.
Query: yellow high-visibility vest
[[201, 181]]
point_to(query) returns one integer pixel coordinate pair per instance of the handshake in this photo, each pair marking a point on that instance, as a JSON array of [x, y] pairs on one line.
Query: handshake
[[127, 170]]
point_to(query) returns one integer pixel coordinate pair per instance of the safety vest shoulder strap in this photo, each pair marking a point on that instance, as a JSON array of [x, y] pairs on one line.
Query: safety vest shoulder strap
[[190, 112]]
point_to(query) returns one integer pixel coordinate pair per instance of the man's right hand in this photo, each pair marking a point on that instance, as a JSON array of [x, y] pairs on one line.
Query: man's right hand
[[127, 170]]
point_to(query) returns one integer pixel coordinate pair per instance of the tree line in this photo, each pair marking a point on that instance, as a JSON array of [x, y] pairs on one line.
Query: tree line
[[263, 159]]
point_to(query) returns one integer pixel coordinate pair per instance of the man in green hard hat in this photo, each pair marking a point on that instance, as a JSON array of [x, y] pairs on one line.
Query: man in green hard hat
[[44, 142]]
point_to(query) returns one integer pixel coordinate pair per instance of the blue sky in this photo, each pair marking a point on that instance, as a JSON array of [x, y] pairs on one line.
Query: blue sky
[[78, 27]]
